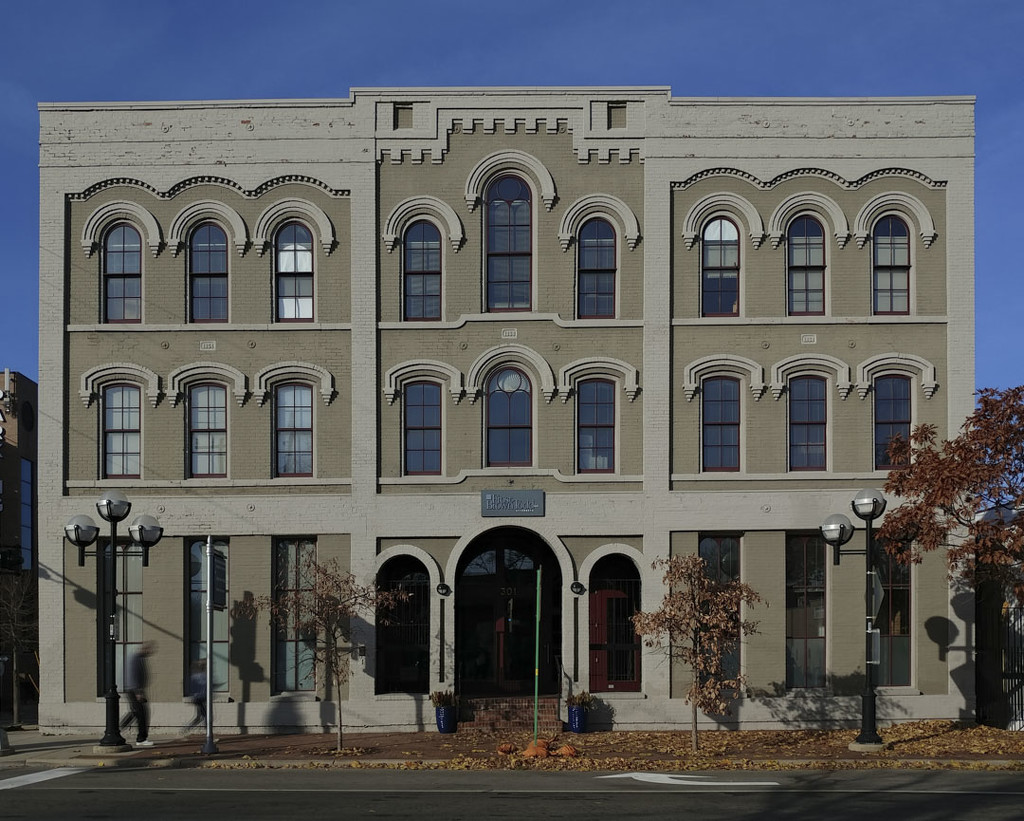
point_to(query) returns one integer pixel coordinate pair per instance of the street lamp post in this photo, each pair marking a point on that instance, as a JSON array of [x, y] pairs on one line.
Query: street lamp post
[[868, 504], [81, 531]]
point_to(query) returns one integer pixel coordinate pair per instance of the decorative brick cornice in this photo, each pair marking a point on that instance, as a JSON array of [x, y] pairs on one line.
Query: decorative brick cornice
[[839, 180], [192, 182]]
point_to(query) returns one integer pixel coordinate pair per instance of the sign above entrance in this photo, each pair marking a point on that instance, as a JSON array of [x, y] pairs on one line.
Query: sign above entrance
[[511, 502]]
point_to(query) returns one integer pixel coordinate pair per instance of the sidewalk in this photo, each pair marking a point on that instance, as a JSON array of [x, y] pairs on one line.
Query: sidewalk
[[931, 745]]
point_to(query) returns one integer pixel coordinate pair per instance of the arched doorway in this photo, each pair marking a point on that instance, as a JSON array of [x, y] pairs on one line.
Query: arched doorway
[[403, 634], [496, 612], [614, 644]]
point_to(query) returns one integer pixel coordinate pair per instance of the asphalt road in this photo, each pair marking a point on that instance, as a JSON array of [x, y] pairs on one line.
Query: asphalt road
[[154, 795]]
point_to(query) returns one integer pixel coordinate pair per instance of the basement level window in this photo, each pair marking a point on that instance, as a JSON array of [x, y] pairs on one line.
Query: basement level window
[[616, 115], [403, 115]]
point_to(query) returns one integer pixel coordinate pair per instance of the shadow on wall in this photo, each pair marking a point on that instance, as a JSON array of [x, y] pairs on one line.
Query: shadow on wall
[[242, 655], [836, 709]]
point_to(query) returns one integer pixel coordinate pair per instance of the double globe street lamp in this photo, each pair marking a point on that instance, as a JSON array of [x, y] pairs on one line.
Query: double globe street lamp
[[82, 531], [837, 530]]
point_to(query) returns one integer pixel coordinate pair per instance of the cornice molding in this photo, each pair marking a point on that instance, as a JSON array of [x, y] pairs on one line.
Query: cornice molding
[[224, 182], [839, 180]]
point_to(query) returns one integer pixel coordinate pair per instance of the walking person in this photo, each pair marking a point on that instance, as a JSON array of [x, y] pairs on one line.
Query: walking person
[[197, 693], [135, 682]]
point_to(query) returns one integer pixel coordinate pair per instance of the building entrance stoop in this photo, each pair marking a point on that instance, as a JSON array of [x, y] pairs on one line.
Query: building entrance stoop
[[509, 713]]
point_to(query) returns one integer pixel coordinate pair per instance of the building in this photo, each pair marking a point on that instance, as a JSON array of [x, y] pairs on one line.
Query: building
[[18, 447], [448, 336]]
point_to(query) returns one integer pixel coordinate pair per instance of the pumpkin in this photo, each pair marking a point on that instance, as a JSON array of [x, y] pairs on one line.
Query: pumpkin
[[507, 748], [535, 751], [568, 751]]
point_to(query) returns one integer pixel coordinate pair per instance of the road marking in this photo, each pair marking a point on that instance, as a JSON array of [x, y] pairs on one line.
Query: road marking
[[690, 780], [35, 778]]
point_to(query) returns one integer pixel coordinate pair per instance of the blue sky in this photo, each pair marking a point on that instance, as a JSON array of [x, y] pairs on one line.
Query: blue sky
[[70, 50]]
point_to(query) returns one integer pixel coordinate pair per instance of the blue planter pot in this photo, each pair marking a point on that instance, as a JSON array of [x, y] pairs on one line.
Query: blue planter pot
[[447, 719], [577, 718]]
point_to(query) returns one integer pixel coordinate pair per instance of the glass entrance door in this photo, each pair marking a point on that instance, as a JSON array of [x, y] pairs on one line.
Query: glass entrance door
[[496, 617]]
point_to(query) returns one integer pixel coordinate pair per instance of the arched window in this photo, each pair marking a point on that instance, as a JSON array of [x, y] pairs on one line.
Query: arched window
[[596, 270], [422, 428], [293, 430], [595, 426], [891, 250], [720, 424], [807, 423], [122, 437], [509, 420], [720, 269], [208, 273], [805, 244], [208, 430], [509, 245], [614, 644], [892, 416], [293, 262], [422, 271], [403, 633], [122, 275]]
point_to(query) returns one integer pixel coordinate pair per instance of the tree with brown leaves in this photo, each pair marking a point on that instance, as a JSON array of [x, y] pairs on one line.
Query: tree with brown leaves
[[701, 618], [963, 495], [321, 610]]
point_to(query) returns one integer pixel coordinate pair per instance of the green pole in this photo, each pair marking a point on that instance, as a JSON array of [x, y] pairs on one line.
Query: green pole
[[536, 666]]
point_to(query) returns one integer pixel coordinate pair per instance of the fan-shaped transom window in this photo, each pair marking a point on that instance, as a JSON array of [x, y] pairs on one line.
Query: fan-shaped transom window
[[509, 419]]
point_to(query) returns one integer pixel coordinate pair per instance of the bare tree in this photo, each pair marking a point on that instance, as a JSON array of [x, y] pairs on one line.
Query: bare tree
[[700, 623], [19, 628], [320, 612]]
